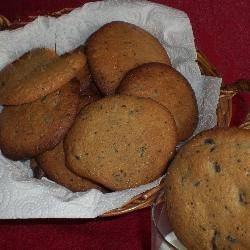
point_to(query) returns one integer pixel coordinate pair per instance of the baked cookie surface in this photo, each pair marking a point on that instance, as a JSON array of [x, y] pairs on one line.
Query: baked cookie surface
[[116, 48], [37, 74], [208, 190], [53, 164], [30, 129], [167, 86], [121, 141]]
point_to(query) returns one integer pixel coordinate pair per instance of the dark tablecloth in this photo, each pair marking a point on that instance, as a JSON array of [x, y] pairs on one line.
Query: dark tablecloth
[[222, 32]]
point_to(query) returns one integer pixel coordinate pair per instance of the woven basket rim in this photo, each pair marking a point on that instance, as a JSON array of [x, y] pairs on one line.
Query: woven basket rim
[[224, 113]]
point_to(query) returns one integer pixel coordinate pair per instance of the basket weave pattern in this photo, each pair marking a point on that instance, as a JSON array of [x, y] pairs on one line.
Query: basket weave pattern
[[224, 114]]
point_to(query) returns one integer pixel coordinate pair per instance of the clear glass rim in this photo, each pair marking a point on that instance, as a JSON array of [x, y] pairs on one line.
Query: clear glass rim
[[157, 202]]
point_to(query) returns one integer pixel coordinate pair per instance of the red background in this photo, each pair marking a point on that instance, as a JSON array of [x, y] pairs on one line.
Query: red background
[[222, 32]]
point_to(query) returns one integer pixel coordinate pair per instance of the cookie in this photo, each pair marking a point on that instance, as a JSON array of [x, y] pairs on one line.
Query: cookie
[[31, 129], [53, 165], [121, 141], [116, 48], [167, 86], [32, 78], [208, 191]]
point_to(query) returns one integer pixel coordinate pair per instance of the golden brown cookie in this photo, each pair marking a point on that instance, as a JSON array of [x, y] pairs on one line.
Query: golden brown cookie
[[53, 164], [121, 141], [39, 73], [116, 48], [167, 86], [208, 190], [31, 129]]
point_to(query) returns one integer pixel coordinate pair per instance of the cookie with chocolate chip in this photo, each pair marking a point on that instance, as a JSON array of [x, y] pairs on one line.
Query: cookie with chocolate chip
[[121, 141], [52, 163], [208, 190], [31, 129], [37, 74], [167, 86], [116, 48]]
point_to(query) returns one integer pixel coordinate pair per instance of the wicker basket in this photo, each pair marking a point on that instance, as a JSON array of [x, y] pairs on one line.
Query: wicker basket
[[224, 115]]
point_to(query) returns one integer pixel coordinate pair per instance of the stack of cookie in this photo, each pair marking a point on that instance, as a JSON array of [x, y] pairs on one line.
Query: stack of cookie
[[108, 114]]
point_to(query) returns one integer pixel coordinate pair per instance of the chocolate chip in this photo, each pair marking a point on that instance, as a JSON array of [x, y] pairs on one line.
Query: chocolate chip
[[2, 84], [197, 151], [197, 183], [216, 167], [231, 238], [242, 197], [203, 228], [239, 160], [209, 141], [142, 151], [214, 240], [119, 175], [124, 106], [212, 149], [183, 178], [44, 98], [77, 157], [116, 150]]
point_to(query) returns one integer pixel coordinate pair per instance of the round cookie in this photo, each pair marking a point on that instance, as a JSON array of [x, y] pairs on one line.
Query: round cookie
[[121, 141], [116, 48], [31, 129], [208, 191], [53, 164], [167, 86], [32, 78]]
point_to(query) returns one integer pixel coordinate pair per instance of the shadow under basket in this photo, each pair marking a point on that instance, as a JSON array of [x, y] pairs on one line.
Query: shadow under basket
[[224, 114]]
